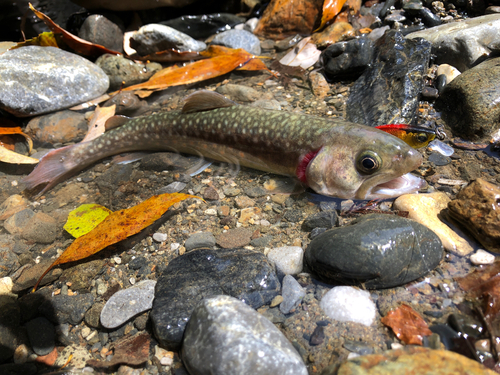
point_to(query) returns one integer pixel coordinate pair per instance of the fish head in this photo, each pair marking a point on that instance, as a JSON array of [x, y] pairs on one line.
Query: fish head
[[364, 163]]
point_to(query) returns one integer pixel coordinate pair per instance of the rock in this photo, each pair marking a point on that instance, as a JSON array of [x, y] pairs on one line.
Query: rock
[[159, 237], [81, 275], [40, 228], [164, 161], [79, 355], [426, 209], [66, 309], [352, 254], [123, 72], [461, 44], [410, 359], [9, 262], [284, 18], [347, 58], [35, 80], [348, 304], [93, 315], [482, 257], [438, 159], [465, 103], [324, 219], [199, 240], [476, 207], [239, 93], [127, 303], [234, 238], [41, 334], [127, 104], [132, 4], [244, 274], [225, 336], [6, 286], [203, 26], [17, 222], [450, 72], [12, 205], [98, 29], [30, 275], [319, 84], [244, 202], [238, 39], [292, 294], [60, 127], [211, 194], [156, 38], [397, 70], [288, 259], [333, 33]]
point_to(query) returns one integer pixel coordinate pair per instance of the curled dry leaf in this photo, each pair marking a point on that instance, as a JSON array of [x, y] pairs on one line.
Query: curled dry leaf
[[305, 55], [12, 157], [407, 325], [330, 9], [97, 124], [116, 227]]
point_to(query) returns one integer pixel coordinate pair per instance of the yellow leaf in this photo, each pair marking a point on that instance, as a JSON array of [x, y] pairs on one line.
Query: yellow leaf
[[12, 157], [85, 218]]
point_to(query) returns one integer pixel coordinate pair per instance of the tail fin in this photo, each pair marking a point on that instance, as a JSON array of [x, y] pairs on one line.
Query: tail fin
[[55, 167]]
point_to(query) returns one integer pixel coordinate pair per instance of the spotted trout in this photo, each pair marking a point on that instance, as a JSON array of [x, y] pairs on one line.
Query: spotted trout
[[332, 156]]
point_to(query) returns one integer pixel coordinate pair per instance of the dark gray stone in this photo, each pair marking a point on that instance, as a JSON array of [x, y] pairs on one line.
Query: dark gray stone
[[200, 240], [99, 30], [226, 336], [28, 87], [41, 334], [238, 39], [66, 309], [349, 58], [324, 219], [137, 263], [467, 102], [10, 317], [439, 159], [81, 275], [93, 315], [380, 251], [387, 92], [261, 241], [123, 72], [203, 26], [245, 274]]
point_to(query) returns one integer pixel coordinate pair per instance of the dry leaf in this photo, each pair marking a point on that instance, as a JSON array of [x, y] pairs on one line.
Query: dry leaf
[[85, 218], [407, 325], [330, 9], [116, 227], [72, 41], [46, 39], [16, 130], [12, 157], [305, 55], [97, 124]]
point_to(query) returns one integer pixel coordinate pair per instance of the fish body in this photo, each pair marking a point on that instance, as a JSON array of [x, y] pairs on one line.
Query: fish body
[[333, 157]]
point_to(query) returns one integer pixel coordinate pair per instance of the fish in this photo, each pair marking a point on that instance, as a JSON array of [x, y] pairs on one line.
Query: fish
[[414, 136], [333, 157]]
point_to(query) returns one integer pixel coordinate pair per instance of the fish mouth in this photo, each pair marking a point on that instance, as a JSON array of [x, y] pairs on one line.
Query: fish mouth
[[404, 184]]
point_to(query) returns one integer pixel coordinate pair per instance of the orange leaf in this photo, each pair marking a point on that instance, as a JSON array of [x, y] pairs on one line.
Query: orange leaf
[[330, 9], [116, 227], [224, 61], [407, 325], [16, 130], [77, 44], [254, 64]]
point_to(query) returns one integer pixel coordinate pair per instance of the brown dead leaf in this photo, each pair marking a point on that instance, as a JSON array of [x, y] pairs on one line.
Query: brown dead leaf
[[97, 124], [407, 325], [16, 130], [72, 41], [130, 350], [330, 9], [11, 157], [116, 227], [46, 39]]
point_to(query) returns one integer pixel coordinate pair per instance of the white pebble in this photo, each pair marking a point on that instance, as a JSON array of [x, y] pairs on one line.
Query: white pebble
[[160, 237], [85, 332], [117, 260], [352, 355], [211, 212], [288, 259], [396, 345], [347, 304], [6, 285], [482, 257], [174, 246]]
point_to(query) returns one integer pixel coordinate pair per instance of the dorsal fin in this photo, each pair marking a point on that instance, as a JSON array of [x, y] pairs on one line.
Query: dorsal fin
[[115, 122], [205, 100]]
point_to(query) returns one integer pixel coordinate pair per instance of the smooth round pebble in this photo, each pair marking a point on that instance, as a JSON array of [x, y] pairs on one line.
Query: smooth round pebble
[[160, 237], [482, 257], [288, 259], [348, 304]]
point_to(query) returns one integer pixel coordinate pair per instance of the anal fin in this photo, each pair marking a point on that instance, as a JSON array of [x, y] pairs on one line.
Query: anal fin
[[205, 100]]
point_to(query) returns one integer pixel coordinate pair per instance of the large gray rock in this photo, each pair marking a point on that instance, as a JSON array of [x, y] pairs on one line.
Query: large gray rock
[[469, 103], [245, 274], [380, 251], [225, 336], [238, 39], [156, 38], [35, 80], [387, 92], [462, 43]]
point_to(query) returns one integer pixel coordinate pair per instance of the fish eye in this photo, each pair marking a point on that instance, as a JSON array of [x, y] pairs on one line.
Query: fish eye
[[422, 137], [368, 162]]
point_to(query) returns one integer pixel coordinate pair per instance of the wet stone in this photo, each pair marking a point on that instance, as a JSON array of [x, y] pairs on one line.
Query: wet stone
[[99, 30], [137, 263], [211, 194], [292, 294], [32, 273], [234, 238], [347, 304], [128, 303], [243, 274], [11, 205], [349, 58], [203, 26], [60, 127], [225, 333], [81, 276], [28, 88], [9, 262], [200, 240], [438, 159], [238, 39], [16, 223], [324, 219], [293, 215], [255, 191], [397, 70], [164, 161], [288, 259], [476, 207], [41, 334], [92, 316], [66, 309], [40, 228], [261, 241], [351, 254]]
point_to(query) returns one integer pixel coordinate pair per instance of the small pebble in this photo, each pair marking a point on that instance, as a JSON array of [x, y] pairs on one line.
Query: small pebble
[[288, 259], [348, 304], [482, 257], [160, 237], [292, 294]]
